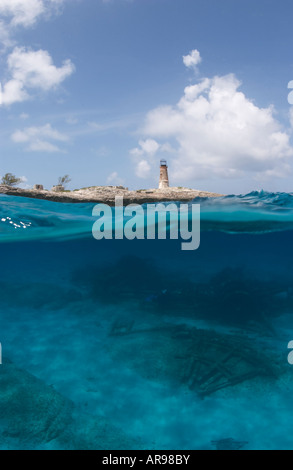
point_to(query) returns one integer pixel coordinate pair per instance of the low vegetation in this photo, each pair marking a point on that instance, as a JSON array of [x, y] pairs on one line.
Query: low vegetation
[[10, 180]]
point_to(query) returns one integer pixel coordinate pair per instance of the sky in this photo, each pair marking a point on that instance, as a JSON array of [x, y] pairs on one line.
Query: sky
[[103, 89]]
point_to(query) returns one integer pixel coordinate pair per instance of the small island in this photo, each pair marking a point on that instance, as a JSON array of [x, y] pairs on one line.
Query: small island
[[107, 194]]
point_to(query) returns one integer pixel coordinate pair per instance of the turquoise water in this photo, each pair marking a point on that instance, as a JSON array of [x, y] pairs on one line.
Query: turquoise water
[[136, 344]]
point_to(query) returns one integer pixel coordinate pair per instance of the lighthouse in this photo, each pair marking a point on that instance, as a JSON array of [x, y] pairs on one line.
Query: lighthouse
[[164, 180]]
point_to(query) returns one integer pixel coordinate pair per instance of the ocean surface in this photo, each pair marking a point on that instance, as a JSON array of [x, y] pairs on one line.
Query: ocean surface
[[138, 344]]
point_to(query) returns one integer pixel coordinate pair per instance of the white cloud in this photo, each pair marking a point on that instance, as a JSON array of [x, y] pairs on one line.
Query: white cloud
[[39, 139], [145, 155], [143, 169], [114, 179], [24, 116], [116, 124], [216, 131], [36, 69], [193, 59], [12, 92], [43, 146], [5, 39], [147, 147], [22, 12], [291, 116], [26, 12], [32, 70]]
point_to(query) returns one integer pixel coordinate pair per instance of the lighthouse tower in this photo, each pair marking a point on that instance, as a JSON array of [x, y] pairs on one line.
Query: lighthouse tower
[[164, 180]]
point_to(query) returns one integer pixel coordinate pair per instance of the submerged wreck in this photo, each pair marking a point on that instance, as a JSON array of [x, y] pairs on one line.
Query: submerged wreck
[[205, 361]]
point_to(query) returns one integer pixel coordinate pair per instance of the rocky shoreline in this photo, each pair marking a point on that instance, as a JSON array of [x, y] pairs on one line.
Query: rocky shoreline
[[107, 194]]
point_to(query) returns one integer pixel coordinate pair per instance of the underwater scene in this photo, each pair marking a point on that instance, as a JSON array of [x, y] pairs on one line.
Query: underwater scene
[[137, 344]]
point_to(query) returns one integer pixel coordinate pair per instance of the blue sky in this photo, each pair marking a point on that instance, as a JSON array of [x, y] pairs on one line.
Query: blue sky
[[101, 90]]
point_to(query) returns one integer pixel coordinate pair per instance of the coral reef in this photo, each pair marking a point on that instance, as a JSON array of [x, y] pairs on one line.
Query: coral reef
[[130, 277], [34, 415], [229, 297], [31, 413]]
